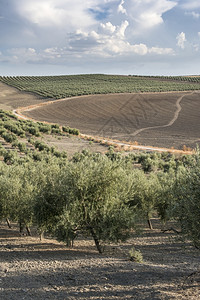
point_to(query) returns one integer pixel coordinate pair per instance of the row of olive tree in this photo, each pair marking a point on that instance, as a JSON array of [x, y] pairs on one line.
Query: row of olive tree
[[88, 196], [96, 195]]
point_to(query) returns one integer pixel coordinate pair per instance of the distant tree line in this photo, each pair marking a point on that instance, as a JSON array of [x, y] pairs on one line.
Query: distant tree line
[[57, 87]]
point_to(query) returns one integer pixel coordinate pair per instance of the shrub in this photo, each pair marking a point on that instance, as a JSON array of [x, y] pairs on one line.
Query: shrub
[[135, 255], [34, 131], [10, 157], [65, 129], [22, 147], [9, 137], [69, 130], [45, 128], [56, 130], [55, 126], [15, 144], [74, 131]]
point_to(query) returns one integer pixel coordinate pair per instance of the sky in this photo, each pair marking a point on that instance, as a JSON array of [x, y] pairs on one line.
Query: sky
[[128, 37]]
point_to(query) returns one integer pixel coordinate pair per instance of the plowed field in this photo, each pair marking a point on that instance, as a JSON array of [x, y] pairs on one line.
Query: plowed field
[[156, 119]]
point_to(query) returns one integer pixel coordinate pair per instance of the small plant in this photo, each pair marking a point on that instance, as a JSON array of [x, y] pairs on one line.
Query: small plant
[[185, 148], [135, 255]]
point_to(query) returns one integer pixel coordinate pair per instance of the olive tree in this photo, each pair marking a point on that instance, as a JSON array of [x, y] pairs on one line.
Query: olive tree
[[166, 195], [144, 194], [186, 208], [50, 197], [96, 191], [16, 193]]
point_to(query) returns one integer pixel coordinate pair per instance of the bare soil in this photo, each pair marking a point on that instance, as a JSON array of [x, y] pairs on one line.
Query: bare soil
[[31, 269], [11, 98], [154, 119], [72, 144]]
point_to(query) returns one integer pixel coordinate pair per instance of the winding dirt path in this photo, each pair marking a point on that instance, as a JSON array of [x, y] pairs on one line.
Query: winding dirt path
[[176, 115]]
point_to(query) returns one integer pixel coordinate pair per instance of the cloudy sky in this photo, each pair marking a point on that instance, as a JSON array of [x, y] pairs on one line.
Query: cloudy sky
[[146, 37]]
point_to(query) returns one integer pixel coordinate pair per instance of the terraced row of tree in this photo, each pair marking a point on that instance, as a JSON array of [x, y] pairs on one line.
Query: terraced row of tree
[[58, 87], [193, 79], [22, 136]]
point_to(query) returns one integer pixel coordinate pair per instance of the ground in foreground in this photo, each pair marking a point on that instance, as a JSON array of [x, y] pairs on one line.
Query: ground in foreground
[[30, 269]]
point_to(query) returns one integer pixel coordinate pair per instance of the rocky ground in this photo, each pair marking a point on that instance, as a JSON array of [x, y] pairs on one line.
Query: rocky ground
[[31, 269]]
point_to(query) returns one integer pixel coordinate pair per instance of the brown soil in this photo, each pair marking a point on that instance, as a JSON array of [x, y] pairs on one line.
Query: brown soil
[[11, 98], [30, 269], [72, 144], [156, 119]]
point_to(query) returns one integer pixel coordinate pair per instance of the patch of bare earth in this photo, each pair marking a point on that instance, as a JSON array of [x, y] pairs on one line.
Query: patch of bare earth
[[11, 98], [72, 144], [31, 269]]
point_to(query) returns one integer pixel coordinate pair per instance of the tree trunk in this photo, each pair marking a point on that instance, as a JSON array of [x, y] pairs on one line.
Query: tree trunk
[[20, 227], [96, 240], [149, 223], [28, 231], [41, 235], [8, 222]]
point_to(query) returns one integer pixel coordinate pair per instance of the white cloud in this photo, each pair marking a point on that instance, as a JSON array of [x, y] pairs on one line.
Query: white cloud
[[111, 42], [196, 47], [190, 4], [66, 30], [121, 29], [195, 15], [53, 53], [108, 27], [108, 40], [23, 54], [161, 51], [181, 39], [59, 13], [148, 13], [71, 15], [121, 9]]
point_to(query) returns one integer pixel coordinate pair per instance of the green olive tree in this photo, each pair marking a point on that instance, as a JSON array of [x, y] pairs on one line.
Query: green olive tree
[[96, 192]]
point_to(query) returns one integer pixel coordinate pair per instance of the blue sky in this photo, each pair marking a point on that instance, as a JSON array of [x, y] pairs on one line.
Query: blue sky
[[145, 37]]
